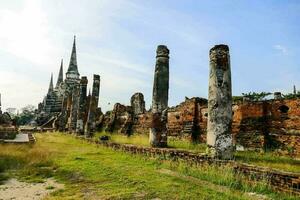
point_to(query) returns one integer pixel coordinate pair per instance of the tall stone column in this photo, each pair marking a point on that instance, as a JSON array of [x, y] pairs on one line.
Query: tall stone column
[[160, 96], [62, 118], [74, 108], [69, 111], [91, 120], [82, 106], [219, 136]]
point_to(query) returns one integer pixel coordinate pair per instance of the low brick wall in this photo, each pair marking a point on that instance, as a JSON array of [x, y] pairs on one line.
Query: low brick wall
[[283, 181], [171, 154], [280, 180]]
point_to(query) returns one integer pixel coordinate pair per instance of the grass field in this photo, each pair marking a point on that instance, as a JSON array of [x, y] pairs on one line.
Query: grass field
[[95, 172], [264, 159]]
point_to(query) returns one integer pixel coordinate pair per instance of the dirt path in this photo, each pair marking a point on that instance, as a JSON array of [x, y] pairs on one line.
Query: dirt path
[[16, 190]]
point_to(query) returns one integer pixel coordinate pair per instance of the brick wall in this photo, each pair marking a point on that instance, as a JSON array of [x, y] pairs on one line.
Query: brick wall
[[256, 125]]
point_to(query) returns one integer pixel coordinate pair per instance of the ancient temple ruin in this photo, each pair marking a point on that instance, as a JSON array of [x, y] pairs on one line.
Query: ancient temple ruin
[[66, 107], [246, 124]]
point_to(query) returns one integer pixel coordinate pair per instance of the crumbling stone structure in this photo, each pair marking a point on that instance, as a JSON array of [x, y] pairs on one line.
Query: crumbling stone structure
[[187, 119], [138, 103], [255, 124], [67, 106], [8, 129], [271, 124], [81, 115], [160, 96], [93, 104], [219, 136], [119, 119]]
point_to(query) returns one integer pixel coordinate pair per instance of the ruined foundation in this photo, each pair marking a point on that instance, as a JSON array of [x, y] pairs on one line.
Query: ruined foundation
[[219, 136], [159, 113]]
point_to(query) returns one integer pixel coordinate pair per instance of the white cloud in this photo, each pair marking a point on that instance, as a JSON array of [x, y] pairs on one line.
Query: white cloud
[[281, 48], [18, 91], [24, 33]]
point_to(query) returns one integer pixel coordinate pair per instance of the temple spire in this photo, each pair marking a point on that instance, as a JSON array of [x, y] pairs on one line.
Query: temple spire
[[60, 78], [72, 69], [51, 84]]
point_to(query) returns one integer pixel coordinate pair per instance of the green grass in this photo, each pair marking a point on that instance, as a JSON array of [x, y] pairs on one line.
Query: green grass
[[269, 159], [264, 159], [50, 187], [143, 140], [96, 172]]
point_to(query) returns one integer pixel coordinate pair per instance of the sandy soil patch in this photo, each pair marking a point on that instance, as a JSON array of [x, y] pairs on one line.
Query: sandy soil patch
[[16, 190]]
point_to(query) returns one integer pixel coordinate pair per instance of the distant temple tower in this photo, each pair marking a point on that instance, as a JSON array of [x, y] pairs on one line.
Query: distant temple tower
[[72, 75], [67, 106], [49, 99], [73, 83], [60, 78]]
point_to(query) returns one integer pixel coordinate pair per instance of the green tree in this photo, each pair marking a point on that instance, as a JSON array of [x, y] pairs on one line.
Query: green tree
[[26, 116], [253, 96], [291, 95]]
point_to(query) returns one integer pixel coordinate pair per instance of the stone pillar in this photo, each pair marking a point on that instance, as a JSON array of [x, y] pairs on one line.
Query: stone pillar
[[219, 136], [82, 106], [63, 116], [138, 103], [74, 108], [69, 109], [159, 111], [91, 120]]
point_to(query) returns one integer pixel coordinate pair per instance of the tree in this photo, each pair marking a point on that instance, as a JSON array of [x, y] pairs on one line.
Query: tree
[[253, 96], [26, 116], [291, 95]]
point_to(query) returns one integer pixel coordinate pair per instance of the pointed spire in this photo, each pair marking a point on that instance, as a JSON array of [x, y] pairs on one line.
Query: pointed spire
[[51, 84], [295, 91], [73, 60], [60, 78]]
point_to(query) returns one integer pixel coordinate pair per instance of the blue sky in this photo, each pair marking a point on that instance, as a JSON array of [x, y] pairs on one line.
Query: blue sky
[[117, 39]]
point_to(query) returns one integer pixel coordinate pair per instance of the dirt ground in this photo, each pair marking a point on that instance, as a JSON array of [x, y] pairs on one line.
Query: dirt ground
[[16, 190]]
